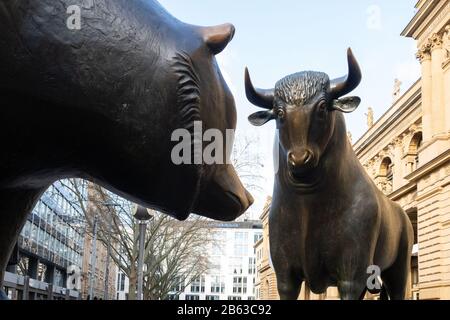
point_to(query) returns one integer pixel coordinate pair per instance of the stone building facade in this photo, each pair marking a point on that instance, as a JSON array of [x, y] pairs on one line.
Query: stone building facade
[[105, 268], [102, 275], [407, 154], [422, 178], [266, 282]]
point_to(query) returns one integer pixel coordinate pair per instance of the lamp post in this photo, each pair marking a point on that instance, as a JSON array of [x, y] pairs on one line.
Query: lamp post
[[142, 216], [93, 259], [106, 282], [108, 254]]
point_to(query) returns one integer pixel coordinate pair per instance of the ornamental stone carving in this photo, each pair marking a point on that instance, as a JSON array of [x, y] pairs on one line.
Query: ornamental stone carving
[[424, 52], [436, 41], [446, 41]]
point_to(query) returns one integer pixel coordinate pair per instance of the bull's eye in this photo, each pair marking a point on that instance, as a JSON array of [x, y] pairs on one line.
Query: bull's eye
[[322, 110], [280, 113]]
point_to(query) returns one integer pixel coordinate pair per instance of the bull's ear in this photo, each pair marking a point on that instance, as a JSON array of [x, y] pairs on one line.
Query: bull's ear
[[347, 104], [217, 37], [261, 117]]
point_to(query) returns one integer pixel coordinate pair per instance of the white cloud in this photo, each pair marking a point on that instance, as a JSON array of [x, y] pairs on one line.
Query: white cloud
[[373, 17], [408, 71]]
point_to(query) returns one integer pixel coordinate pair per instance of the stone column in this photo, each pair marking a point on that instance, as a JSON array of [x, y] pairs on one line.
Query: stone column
[[424, 56], [437, 100], [50, 291], [50, 274], [399, 172], [33, 265], [446, 70], [447, 97], [26, 288]]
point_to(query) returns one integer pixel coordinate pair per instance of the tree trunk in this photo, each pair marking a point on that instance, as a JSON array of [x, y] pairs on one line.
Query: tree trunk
[[132, 287]]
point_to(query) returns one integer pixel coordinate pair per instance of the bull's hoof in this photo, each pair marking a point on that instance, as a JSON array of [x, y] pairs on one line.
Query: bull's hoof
[[3, 295]]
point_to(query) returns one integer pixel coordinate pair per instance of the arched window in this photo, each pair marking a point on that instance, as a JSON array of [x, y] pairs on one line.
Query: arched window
[[413, 151], [386, 175]]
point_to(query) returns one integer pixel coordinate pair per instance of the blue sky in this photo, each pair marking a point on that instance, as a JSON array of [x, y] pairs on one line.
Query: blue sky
[[277, 38]]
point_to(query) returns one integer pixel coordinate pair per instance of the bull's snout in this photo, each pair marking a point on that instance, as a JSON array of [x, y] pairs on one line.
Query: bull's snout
[[300, 159], [301, 162]]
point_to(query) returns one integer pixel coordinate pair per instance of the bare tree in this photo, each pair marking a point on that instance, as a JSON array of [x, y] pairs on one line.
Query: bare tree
[[176, 255], [247, 162], [171, 247]]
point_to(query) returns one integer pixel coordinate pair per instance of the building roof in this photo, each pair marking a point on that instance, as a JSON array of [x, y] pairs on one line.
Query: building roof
[[408, 99], [424, 17]]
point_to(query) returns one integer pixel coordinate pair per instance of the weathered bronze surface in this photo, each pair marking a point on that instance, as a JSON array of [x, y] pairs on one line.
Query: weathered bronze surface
[[101, 103], [328, 221]]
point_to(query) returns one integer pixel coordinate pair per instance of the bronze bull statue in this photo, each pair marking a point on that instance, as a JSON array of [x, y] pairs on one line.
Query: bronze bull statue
[[328, 221], [101, 101]]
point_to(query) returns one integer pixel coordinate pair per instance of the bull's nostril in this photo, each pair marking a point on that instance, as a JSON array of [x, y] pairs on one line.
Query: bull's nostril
[[308, 158], [291, 159]]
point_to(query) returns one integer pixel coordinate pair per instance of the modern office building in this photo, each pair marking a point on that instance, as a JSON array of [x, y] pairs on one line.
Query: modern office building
[[232, 272], [50, 242]]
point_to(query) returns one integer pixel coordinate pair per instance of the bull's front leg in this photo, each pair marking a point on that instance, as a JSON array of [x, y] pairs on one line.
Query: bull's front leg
[[354, 289], [289, 280], [289, 286], [352, 277], [15, 205]]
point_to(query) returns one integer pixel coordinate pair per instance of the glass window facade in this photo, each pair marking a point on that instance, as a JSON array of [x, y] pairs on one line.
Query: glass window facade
[[54, 230], [198, 284], [217, 284], [240, 244], [121, 282], [240, 285]]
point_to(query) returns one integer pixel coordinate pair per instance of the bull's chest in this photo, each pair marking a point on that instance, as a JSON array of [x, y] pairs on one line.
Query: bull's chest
[[304, 236]]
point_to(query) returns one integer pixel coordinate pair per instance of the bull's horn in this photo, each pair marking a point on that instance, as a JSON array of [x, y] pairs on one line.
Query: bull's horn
[[344, 85], [217, 37], [259, 97]]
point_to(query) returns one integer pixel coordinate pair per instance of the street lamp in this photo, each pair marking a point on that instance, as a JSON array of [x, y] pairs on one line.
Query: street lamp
[[108, 252], [93, 258], [142, 215]]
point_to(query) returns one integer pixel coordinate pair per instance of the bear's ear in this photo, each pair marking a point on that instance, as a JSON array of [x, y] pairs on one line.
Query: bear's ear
[[347, 104], [217, 37], [261, 117]]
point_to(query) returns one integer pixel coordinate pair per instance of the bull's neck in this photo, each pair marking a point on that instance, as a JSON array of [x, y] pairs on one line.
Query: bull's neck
[[339, 159]]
